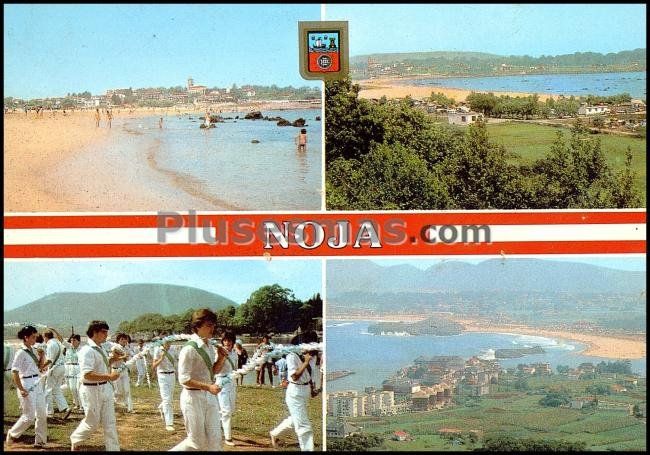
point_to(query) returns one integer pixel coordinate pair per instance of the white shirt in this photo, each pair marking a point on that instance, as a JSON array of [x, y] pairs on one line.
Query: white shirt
[[24, 363], [54, 350], [191, 365], [165, 364], [293, 364], [227, 368], [91, 361]]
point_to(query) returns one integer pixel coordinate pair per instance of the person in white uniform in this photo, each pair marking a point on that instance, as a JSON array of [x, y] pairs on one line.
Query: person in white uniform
[[72, 368], [196, 368], [54, 361], [96, 390], [25, 370], [301, 370], [8, 359], [140, 364], [228, 393], [123, 384], [164, 364]]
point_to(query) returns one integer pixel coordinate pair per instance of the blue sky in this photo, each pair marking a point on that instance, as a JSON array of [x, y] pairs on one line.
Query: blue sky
[[632, 263], [500, 29], [26, 281], [51, 50]]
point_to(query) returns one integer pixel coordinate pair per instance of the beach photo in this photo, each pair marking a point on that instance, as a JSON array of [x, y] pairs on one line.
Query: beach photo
[[157, 355], [146, 108], [476, 353], [488, 107]]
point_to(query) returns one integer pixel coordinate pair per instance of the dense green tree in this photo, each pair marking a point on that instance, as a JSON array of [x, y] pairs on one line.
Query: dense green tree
[[481, 177], [555, 399], [270, 308], [505, 443], [355, 443], [351, 127], [441, 99], [623, 193], [562, 369]]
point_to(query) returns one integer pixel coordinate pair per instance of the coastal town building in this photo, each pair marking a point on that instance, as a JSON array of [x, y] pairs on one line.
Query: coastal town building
[[429, 398], [400, 435], [339, 428], [195, 89], [343, 404], [350, 403], [463, 118], [585, 109]]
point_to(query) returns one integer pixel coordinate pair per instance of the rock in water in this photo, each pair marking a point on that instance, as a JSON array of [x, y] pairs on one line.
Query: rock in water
[[255, 141], [318, 118], [299, 123], [283, 122], [255, 115]]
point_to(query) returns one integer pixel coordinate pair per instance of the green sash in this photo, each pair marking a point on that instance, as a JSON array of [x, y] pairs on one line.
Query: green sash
[[58, 354], [232, 365], [169, 357], [33, 356], [204, 356], [101, 351]]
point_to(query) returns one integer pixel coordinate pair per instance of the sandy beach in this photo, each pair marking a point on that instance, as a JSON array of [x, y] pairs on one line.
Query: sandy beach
[[33, 148], [613, 347], [396, 88], [58, 163]]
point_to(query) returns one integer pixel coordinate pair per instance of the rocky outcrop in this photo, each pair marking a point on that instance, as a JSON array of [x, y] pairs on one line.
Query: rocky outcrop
[[255, 115]]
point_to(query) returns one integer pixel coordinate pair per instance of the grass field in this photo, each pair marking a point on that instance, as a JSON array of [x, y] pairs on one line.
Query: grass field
[[258, 410], [531, 142], [519, 414]]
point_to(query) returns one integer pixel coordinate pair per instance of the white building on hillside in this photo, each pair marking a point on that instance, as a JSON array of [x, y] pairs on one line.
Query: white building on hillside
[[584, 109]]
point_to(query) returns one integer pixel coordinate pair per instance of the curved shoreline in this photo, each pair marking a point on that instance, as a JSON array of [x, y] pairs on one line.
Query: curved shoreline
[[185, 182], [604, 346]]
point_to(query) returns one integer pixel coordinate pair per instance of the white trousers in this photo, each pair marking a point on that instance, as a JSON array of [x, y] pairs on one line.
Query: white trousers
[[34, 412], [123, 390], [99, 410], [72, 377], [227, 398], [140, 366], [201, 415], [297, 397], [166, 384], [53, 383]]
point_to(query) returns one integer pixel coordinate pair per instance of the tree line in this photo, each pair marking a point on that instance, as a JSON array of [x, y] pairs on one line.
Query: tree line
[[270, 309], [391, 156], [527, 107]]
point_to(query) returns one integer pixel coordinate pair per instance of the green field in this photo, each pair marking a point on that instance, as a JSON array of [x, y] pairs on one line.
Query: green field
[[531, 141], [519, 414], [258, 410]]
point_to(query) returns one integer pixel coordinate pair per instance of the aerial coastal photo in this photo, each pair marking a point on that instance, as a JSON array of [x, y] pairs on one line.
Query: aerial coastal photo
[[259, 321], [143, 108], [489, 107], [530, 353]]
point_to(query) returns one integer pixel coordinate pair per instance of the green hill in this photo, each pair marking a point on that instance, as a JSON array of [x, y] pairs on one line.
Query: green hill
[[65, 309], [476, 63]]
